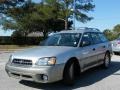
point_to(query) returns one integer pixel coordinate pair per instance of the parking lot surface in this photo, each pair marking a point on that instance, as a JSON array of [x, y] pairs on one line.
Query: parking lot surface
[[93, 79]]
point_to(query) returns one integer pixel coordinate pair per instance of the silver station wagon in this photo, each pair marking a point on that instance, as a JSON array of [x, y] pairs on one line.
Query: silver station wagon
[[63, 56]]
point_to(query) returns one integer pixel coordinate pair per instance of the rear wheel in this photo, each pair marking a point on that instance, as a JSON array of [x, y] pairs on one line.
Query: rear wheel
[[119, 53], [69, 76], [114, 53], [107, 60]]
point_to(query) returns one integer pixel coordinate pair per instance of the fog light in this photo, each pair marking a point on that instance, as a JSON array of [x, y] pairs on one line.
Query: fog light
[[45, 77]]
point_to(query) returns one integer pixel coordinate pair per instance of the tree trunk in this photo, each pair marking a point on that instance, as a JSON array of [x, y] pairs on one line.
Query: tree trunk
[[44, 35], [25, 33], [66, 24]]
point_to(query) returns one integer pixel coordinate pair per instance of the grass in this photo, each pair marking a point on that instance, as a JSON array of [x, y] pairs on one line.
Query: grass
[[13, 47]]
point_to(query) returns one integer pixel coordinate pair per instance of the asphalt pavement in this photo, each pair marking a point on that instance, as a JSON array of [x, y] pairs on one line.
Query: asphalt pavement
[[93, 79]]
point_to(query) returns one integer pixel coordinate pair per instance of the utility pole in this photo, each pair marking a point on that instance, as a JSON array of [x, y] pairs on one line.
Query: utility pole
[[74, 14]]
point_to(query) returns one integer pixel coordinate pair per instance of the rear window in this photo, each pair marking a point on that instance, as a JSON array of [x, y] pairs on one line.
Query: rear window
[[96, 38], [102, 37]]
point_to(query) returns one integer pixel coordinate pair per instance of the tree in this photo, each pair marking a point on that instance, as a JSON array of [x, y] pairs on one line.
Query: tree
[[114, 33], [17, 18], [116, 29], [6, 4], [110, 34], [64, 9], [81, 8], [48, 15], [16, 34], [33, 17]]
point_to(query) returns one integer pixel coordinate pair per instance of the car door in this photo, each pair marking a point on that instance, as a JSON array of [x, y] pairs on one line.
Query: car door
[[102, 46], [99, 46], [88, 51]]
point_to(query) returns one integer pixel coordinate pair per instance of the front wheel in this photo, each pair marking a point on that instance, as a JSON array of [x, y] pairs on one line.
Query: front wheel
[[107, 60], [68, 76]]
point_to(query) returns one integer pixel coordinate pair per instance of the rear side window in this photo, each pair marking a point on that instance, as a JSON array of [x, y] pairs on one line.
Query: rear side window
[[102, 37], [96, 38], [86, 40]]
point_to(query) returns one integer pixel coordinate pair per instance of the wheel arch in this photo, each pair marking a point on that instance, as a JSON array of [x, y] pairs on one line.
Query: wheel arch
[[108, 53], [77, 64]]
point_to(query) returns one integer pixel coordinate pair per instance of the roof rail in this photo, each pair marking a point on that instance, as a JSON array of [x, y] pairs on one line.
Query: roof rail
[[86, 28]]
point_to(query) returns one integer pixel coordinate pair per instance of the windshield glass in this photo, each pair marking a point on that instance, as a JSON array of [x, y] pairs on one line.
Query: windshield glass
[[63, 39]]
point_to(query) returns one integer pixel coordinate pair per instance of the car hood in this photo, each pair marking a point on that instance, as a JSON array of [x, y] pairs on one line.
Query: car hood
[[42, 51]]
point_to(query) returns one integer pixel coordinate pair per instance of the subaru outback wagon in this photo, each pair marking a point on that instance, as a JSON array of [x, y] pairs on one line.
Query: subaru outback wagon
[[63, 56]]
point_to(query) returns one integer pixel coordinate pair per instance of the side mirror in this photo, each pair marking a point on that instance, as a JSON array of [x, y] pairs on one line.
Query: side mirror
[[85, 43]]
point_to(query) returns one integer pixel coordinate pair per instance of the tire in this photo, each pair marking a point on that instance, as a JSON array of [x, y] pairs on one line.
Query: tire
[[115, 53], [107, 60], [68, 76], [119, 53]]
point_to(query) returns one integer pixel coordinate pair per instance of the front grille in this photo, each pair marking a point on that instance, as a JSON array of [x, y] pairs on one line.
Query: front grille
[[21, 62]]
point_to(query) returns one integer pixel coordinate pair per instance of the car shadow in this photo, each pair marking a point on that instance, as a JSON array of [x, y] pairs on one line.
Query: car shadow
[[87, 78], [117, 54]]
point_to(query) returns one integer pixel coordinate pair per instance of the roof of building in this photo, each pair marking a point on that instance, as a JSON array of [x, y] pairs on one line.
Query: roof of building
[[35, 34]]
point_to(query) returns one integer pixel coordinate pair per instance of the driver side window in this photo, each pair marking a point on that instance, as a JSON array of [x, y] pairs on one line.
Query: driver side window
[[86, 40]]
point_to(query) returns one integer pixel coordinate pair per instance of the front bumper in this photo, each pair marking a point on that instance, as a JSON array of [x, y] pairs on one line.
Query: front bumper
[[53, 73]]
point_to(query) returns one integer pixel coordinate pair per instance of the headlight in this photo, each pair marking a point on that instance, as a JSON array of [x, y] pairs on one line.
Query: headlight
[[46, 61]]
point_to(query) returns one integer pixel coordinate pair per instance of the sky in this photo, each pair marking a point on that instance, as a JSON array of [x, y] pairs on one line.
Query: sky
[[106, 15]]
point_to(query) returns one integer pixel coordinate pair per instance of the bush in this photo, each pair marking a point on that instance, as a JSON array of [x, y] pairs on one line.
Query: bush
[[7, 40]]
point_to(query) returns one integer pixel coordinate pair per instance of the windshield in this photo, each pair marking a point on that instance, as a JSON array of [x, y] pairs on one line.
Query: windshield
[[63, 39]]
